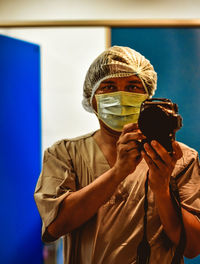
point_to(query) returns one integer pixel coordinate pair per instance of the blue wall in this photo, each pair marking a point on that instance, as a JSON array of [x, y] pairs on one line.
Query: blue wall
[[20, 152], [175, 55]]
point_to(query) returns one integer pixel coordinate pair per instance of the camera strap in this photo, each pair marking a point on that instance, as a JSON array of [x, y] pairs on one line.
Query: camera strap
[[144, 249]]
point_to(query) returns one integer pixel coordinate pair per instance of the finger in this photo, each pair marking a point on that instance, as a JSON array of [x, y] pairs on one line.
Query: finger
[[129, 127], [133, 145], [134, 150], [154, 155], [134, 154], [129, 146], [150, 152], [125, 151], [137, 135], [149, 161], [161, 151], [177, 151]]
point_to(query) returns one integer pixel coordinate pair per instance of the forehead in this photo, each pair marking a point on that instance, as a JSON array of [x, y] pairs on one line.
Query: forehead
[[132, 78]]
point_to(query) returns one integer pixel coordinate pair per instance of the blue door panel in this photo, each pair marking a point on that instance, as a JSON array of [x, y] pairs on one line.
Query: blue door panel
[[20, 152]]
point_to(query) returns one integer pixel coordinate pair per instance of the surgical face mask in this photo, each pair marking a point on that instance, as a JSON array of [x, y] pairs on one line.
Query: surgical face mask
[[119, 108]]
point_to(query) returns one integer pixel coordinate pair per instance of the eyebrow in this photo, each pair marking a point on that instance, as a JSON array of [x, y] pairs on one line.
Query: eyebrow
[[135, 81], [107, 82]]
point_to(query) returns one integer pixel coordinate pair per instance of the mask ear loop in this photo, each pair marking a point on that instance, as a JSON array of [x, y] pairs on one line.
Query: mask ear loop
[[145, 87], [144, 249]]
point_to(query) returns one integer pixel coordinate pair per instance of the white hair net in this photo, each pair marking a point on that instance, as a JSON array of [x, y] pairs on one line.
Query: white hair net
[[117, 61]]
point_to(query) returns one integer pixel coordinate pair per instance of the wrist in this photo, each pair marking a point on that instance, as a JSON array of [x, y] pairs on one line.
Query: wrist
[[162, 193], [118, 174]]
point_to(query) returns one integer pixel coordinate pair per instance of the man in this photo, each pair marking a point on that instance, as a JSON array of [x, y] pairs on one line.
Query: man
[[91, 189]]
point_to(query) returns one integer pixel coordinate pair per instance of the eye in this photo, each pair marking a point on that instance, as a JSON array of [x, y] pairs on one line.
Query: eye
[[131, 88], [135, 88], [107, 89]]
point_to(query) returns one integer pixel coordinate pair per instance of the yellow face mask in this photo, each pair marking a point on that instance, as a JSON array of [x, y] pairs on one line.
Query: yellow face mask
[[119, 108]]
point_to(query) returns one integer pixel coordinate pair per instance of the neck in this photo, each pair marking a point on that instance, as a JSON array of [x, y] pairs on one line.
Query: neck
[[107, 139], [107, 136]]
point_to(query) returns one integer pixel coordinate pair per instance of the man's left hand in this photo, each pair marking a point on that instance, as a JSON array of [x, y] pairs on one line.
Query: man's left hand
[[161, 165]]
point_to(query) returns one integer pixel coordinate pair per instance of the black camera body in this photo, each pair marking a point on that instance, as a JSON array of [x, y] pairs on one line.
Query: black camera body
[[159, 120]]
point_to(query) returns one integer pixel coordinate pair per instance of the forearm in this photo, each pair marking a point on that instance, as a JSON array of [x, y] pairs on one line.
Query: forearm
[[81, 205], [172, 226]]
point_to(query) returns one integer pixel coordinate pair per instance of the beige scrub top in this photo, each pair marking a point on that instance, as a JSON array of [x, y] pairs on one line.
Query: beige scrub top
[[113, 234]]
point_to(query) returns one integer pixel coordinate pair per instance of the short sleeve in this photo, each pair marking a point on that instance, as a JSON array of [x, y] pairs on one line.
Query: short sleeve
[[57, 180], [188, 180]]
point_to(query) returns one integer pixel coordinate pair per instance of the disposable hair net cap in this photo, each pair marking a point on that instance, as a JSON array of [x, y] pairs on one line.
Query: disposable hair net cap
[[118, 61]]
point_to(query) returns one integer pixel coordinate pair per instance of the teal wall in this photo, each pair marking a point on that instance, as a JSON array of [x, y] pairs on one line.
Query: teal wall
[[175, 55]]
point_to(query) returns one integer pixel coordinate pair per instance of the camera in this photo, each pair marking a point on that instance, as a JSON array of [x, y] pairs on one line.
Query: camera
[[159, 120]]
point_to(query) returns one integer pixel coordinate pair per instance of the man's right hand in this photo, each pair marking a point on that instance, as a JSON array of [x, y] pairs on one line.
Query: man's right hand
[[128, 150]]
